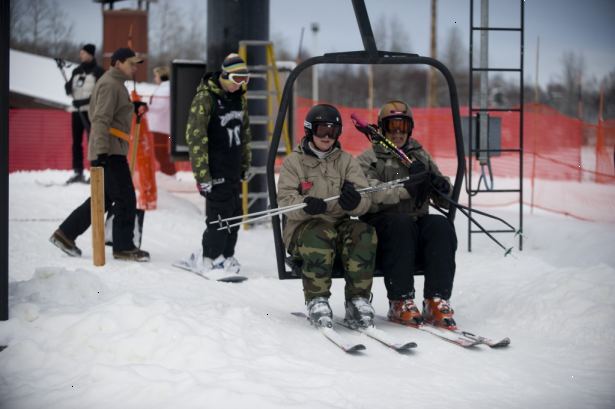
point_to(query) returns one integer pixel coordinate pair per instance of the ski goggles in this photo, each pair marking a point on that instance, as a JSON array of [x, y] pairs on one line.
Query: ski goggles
[[239, 78], [326, 129], [401, 125]]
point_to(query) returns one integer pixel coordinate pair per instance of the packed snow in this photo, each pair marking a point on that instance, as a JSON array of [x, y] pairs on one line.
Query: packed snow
[[147, 335]]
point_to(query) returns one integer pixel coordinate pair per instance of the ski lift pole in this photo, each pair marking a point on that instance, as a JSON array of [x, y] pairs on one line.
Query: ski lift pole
[[281, 210]]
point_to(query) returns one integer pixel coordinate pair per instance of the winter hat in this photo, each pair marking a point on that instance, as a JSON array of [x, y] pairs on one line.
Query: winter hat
[[89, 48], [123, 54], [233, 63]]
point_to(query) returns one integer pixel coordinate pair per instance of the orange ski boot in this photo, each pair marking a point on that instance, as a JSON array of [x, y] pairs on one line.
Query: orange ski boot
[[404, 312], [438, 312]]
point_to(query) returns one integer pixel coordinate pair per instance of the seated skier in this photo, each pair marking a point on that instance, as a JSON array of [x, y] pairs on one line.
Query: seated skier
[[315, 235], [408, 236]]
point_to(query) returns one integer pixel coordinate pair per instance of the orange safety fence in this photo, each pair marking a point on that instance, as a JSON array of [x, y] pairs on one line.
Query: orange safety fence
[[556, 149]]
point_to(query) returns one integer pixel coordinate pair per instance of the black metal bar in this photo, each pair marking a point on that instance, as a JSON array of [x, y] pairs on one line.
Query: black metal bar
[[4, 160], [495, 191], [356, 57], [495, 109], [494, 231], [365, 27], [496, 28], [521, 119], [497, 69], [470, 134]]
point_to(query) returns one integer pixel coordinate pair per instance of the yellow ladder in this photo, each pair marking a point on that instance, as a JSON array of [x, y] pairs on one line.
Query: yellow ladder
[[273, 94]]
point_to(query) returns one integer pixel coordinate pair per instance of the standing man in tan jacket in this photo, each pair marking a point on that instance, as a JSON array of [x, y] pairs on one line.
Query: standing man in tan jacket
[[322, 231], [111, 114]]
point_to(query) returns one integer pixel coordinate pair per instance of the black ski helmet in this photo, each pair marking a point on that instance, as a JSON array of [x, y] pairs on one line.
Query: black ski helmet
[[322, 113], [395, 109]]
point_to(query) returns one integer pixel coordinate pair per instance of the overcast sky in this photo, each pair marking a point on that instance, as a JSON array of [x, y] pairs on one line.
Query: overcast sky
[[585, 27]]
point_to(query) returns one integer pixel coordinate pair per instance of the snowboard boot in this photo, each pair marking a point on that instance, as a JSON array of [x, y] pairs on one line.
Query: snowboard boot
[[134, 254], [77, 178], [405, 312], [319, 312], [231, 265], [359, 312], [437, 311], [59, 239]]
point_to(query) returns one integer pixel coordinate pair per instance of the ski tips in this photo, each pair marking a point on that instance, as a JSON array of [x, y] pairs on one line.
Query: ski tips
[[357, 121]]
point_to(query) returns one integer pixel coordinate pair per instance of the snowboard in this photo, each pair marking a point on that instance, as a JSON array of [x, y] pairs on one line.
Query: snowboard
[[214, 275]]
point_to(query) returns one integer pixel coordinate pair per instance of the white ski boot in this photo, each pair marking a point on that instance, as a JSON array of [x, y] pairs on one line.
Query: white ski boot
[[319, 312], [359, 312]]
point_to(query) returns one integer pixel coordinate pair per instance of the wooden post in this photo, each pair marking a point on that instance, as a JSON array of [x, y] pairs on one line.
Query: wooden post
[[97, 185]]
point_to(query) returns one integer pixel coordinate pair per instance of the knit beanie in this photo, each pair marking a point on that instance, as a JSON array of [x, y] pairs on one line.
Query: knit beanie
[[233, 63], [89, 48]]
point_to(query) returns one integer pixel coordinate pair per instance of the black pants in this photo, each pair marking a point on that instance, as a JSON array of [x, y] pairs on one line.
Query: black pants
[[119, 193], [222, 201], [80, 123], [405, 245]]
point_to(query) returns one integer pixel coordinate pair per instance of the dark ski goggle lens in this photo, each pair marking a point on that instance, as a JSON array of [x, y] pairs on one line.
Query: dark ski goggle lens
[[327, 130], [397, 125]]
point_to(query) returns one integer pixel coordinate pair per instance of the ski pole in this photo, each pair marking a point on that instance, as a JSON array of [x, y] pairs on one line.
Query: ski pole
[[281, 210], [375, 137], [297, 206]]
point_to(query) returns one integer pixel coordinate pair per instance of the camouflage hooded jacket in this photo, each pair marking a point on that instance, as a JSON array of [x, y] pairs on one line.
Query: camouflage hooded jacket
[[218, 132], [380, 166]]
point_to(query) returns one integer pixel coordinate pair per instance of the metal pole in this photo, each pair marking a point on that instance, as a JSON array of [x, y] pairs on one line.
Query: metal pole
[[315, 52], [432, 94], [4, 160], [484, 84]]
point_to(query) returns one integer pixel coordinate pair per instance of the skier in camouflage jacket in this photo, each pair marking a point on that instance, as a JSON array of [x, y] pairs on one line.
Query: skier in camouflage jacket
[[409, 238], [218, 136], [322, 231]]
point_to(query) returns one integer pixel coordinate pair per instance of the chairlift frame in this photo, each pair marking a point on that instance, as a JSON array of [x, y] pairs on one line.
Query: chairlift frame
[[371, 55]]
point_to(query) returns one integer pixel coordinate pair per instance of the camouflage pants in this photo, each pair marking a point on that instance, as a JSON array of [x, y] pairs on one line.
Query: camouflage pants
[[317, 242]]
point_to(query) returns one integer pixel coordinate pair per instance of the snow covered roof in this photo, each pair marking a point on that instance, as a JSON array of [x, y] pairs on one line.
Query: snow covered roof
[[39, 78]]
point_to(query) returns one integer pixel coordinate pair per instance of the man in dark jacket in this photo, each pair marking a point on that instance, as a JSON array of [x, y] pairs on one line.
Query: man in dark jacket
[[111, 112], [218, 137], [80, 87]]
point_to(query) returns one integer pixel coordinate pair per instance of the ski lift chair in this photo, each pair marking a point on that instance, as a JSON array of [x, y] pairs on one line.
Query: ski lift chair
[[371, 55]]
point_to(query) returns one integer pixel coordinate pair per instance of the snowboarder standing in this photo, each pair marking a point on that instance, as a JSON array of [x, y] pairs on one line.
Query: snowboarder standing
[[408, 236], [218, 136], [111, 114], [323, 231], [80, 87]]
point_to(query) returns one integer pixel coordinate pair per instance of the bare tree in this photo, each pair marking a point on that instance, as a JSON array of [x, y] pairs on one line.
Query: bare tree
[[39, 26]]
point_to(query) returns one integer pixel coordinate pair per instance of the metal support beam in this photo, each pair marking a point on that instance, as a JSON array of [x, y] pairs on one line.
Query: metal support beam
[[4, 159]]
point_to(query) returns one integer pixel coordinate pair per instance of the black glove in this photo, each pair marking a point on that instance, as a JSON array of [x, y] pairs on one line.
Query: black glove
[[68, 87], [140, 108], [314, 205], [349, 197], [101, 160], [440, 183], [418, 184]]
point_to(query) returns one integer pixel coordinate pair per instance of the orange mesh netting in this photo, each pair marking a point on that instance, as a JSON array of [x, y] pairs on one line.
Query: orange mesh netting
[[556, 149], [144, 172]]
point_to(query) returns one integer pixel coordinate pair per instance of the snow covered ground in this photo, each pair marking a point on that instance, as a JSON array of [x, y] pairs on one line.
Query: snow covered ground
[[148, 335]]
